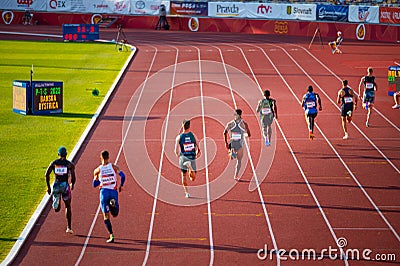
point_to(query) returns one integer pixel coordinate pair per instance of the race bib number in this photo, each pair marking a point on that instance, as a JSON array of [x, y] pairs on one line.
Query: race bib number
[[60, 170], [348, 99], [369, 86], [187, 147], [266, 111], [310, 105], [236, 136]]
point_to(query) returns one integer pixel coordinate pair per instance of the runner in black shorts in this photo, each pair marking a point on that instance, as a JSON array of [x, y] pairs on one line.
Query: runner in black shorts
[[187, 149], [368, 96], [349, 104]]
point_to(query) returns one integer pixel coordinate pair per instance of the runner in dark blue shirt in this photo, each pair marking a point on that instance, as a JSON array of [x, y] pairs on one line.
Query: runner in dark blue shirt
[[63, 169], [187, 149], [368, 96], [346, 97], [310, 103]]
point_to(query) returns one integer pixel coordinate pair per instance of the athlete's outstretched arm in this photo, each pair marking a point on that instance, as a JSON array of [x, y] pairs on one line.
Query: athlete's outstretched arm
[[96, 181], [226, 137], [73, 176], [48, 172], [275, 110], [339, 96], [177, 146], [319, 101], [359, 87], [247, 129], [258, 106]]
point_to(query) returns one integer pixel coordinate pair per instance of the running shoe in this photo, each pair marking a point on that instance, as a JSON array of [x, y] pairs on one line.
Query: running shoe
[[346, 136], [267, 143], [367, 124], [56, 201], [311, 136], [69, 231], [187, 195], [111, 239], [349, 113], [396, 106]]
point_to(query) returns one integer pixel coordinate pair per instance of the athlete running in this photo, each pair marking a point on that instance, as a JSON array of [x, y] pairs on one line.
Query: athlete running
[[346, 97], [268, 110], [187, 149], [105, 176], [310, 103], [368, 96], [62, 169], [233, 136], [335, 44]]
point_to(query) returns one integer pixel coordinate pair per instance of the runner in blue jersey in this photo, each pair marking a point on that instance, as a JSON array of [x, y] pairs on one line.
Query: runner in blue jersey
[[310, 103], [368, 96], [63, 169], [346, 97], [268, 111], [187, 149], [105, 176], [234, 136]]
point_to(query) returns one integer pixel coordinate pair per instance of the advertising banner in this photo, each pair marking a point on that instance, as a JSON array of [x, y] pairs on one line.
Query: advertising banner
[[306, 12], [364, 14], [264, 10], [107, 6], [227, 9], [389, 15], [189, 8], [332, 12], [36, 5], [140, 7]]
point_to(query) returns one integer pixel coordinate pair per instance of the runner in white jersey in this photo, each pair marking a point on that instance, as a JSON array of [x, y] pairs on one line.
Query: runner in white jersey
[[234, 132], [105, 176]]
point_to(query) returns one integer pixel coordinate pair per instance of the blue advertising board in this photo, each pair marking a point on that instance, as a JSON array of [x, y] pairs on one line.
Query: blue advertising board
[[332, 13]]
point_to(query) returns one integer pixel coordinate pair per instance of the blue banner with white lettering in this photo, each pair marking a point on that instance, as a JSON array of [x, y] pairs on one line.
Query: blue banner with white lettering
[[332, 12]]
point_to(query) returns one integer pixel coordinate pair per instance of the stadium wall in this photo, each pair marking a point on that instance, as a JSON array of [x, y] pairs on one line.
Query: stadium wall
[[352, 31]]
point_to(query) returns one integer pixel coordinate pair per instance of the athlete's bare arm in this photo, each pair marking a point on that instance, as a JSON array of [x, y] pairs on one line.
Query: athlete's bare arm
[[359, 87], [247, 129], [71, 167], [319, 101], [177, 145], [339, 96]]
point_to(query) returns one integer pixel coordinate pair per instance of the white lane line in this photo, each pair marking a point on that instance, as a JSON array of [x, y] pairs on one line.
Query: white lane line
[[116, 160], [336, 76], [278, 258], [146, 257], [362, 228], [295, 158], [206, 163], [338, 155]]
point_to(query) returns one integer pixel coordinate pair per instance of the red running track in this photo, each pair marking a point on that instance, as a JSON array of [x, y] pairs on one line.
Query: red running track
[[318, 195]]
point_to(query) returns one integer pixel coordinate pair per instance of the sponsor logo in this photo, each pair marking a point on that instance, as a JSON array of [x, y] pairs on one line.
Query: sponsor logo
[[27, 3], [262, 9], [8, 17], [96, 18], [119, 6], [289, 10], [281, 27], [360, 32], [227, 10], [363, 13], [193, 24], [140, 5], [301, 11], [54, 4]]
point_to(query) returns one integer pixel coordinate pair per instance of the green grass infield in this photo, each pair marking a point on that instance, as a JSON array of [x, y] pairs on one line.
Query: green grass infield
[[29, 143]]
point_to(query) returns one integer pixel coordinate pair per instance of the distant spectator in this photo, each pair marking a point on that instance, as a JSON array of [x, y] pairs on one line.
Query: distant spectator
[[27, 18]]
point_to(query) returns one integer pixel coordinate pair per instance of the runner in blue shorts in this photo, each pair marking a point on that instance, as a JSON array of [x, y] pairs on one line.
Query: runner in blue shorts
[[368, 96], [105, 176], [187, 149], [310, 103], [346, 97], [62, 169]]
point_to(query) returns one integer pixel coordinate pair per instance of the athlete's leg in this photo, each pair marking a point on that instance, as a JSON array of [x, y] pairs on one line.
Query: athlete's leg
[[184, 181], [68, 215], [239, 154]]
